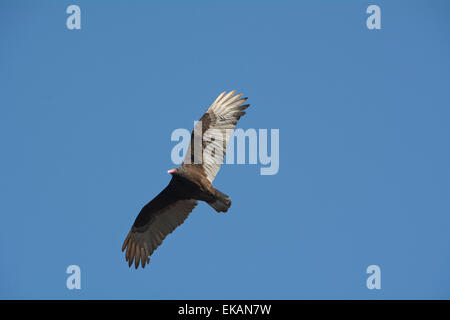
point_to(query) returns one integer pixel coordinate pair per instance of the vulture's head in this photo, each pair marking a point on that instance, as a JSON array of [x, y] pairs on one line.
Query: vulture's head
[[178, 172]]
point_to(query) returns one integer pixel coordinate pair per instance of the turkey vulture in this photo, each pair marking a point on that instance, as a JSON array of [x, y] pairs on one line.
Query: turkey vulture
[[191, 182]]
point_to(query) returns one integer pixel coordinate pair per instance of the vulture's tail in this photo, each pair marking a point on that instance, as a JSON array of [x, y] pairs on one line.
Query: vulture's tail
[[221, 203]]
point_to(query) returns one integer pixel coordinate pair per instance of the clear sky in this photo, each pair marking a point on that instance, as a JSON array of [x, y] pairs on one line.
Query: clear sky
[[364, 179]]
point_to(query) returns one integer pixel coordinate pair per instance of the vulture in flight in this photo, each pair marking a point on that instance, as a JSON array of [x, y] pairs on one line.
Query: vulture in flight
[[191, 182]]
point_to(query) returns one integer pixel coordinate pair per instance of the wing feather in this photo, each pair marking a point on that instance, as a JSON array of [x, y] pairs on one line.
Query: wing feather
[[217, 123], [157, 219]]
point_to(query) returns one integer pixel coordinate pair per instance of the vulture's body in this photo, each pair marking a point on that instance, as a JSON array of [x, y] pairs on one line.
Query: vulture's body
[[191, 182]]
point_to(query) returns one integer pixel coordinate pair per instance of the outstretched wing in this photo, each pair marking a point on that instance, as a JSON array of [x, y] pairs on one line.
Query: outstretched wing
[[156, 220], [212, 133]]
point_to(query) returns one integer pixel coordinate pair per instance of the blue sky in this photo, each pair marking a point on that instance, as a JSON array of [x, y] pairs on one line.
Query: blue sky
[[85, 123]]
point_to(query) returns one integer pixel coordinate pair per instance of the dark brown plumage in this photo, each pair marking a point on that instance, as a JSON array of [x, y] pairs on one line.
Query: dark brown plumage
[[191, 182]]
